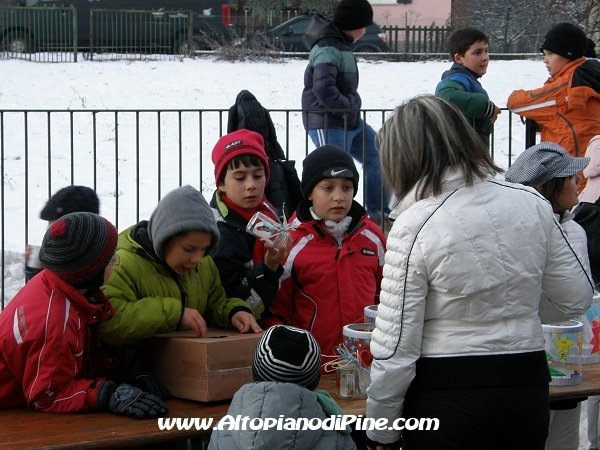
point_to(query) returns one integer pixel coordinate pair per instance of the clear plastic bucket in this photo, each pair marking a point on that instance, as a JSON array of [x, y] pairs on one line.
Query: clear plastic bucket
[[563, 345]]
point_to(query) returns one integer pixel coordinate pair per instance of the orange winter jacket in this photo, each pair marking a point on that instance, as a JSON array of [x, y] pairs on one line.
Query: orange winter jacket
[[567, 106]]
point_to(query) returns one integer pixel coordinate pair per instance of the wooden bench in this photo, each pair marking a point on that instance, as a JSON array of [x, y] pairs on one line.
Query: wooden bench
[[25, 429]]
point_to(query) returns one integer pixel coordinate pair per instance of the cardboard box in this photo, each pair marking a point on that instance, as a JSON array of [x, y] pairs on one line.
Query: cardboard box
[[205, 369]]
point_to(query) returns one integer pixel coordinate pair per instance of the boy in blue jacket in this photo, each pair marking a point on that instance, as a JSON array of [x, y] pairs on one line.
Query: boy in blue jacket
[[460, 85]]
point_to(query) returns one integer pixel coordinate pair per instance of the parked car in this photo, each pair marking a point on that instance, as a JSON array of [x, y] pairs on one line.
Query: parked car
[[288, 37], [146, 26]]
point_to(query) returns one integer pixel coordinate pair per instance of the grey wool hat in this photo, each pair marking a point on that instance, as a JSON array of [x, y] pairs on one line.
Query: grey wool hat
[[541, 163], [287, 355], [181, 210]]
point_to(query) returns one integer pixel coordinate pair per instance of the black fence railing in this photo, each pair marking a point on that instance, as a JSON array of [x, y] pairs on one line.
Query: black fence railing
[[131, 158], [417, 39]]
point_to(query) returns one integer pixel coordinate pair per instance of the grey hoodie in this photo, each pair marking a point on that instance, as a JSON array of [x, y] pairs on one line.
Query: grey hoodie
[[181, 210], [273, 400]]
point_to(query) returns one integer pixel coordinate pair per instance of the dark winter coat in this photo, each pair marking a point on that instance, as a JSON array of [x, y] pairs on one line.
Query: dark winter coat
[[241, 277], [588, 216], [330, 79]]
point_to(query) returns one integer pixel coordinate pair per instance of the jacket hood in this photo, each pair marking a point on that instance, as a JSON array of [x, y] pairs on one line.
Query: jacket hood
[[459, 68], [270, 400], [181, 210], [452, 179], [321, 28], [587, 74]]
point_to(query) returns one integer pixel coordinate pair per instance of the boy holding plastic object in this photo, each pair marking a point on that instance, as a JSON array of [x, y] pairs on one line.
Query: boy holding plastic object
[[249, 268], [335, 267], [45, 338], [460, 85], [567, 107], [458, 333], [67, 200], [167, 281], [286, 374]]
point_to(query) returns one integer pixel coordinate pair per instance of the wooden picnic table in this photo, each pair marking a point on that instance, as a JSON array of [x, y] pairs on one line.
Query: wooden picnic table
[[22, 428]]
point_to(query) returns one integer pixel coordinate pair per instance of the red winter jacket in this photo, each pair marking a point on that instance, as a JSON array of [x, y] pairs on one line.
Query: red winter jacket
[[44, 347], [325, 285]]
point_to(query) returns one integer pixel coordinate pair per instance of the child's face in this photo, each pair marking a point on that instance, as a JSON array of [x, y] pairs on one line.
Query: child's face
[[332, 198], [356, 34], [554, 63], [184, 252], [244, 186], [476, 58], [568, 196]]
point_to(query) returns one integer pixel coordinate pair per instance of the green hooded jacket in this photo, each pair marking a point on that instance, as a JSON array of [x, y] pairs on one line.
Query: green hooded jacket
[[148, 297]]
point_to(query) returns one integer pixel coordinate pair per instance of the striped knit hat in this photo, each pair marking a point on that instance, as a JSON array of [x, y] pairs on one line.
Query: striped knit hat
[[287, 355], [78, 247]]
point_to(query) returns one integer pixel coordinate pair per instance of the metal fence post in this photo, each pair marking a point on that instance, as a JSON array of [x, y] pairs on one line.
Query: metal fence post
[[190, 31], [75, 49]]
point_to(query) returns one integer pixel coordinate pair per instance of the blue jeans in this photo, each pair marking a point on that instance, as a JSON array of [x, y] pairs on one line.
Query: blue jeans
[[360, 144]]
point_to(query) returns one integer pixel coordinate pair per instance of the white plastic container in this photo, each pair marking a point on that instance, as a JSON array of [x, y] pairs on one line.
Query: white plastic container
[[357, 336], [591, 332], [370, 313], [563, 345]]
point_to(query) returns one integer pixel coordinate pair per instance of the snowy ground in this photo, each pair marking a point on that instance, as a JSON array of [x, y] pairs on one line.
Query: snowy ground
[[205, 84]]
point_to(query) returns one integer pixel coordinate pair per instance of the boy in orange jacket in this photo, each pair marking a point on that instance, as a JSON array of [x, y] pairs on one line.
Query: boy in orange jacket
[[567, 107]]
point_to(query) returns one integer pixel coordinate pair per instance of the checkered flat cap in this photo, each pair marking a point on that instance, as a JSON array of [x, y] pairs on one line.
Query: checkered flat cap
[[541, 163]]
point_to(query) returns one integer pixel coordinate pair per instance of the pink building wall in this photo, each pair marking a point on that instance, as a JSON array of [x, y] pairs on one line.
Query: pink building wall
[[418, 12]]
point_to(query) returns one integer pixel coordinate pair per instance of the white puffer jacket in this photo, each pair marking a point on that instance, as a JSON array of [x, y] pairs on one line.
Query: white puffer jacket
[[464, 274]]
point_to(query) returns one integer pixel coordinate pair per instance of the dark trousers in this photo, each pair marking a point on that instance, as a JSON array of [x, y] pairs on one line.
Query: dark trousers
[[486, 418]]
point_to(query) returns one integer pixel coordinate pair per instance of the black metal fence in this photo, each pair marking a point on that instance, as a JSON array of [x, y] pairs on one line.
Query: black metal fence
[[417, 39], [131, 158]]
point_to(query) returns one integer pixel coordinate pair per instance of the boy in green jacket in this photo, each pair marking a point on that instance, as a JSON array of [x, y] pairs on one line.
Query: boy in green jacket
[[166, 281], [460, 85]]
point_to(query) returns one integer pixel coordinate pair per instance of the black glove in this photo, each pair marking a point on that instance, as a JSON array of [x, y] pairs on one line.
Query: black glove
[[148, 384], [129, 401]]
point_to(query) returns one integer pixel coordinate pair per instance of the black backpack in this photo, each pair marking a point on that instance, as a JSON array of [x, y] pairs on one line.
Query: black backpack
[[284, 185]]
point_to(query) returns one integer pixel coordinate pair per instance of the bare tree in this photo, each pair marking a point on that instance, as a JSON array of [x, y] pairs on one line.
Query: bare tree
[[318, 6], [585, 13], [511, 25]]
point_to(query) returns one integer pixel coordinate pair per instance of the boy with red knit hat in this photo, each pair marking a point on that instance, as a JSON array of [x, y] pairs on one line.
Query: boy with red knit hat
[[249, 268], [45, 330]]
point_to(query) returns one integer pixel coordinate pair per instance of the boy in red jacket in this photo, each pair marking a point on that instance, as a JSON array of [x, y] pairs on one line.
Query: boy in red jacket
[[335, 266], [45, 340]]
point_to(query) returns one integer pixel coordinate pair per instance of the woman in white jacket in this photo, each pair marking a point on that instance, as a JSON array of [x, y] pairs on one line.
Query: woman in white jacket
[[458, 336]]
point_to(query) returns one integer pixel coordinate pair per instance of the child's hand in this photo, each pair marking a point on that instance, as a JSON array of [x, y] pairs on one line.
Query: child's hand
[[495, 115], [275, 256], [244, 322], [194, 320]]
